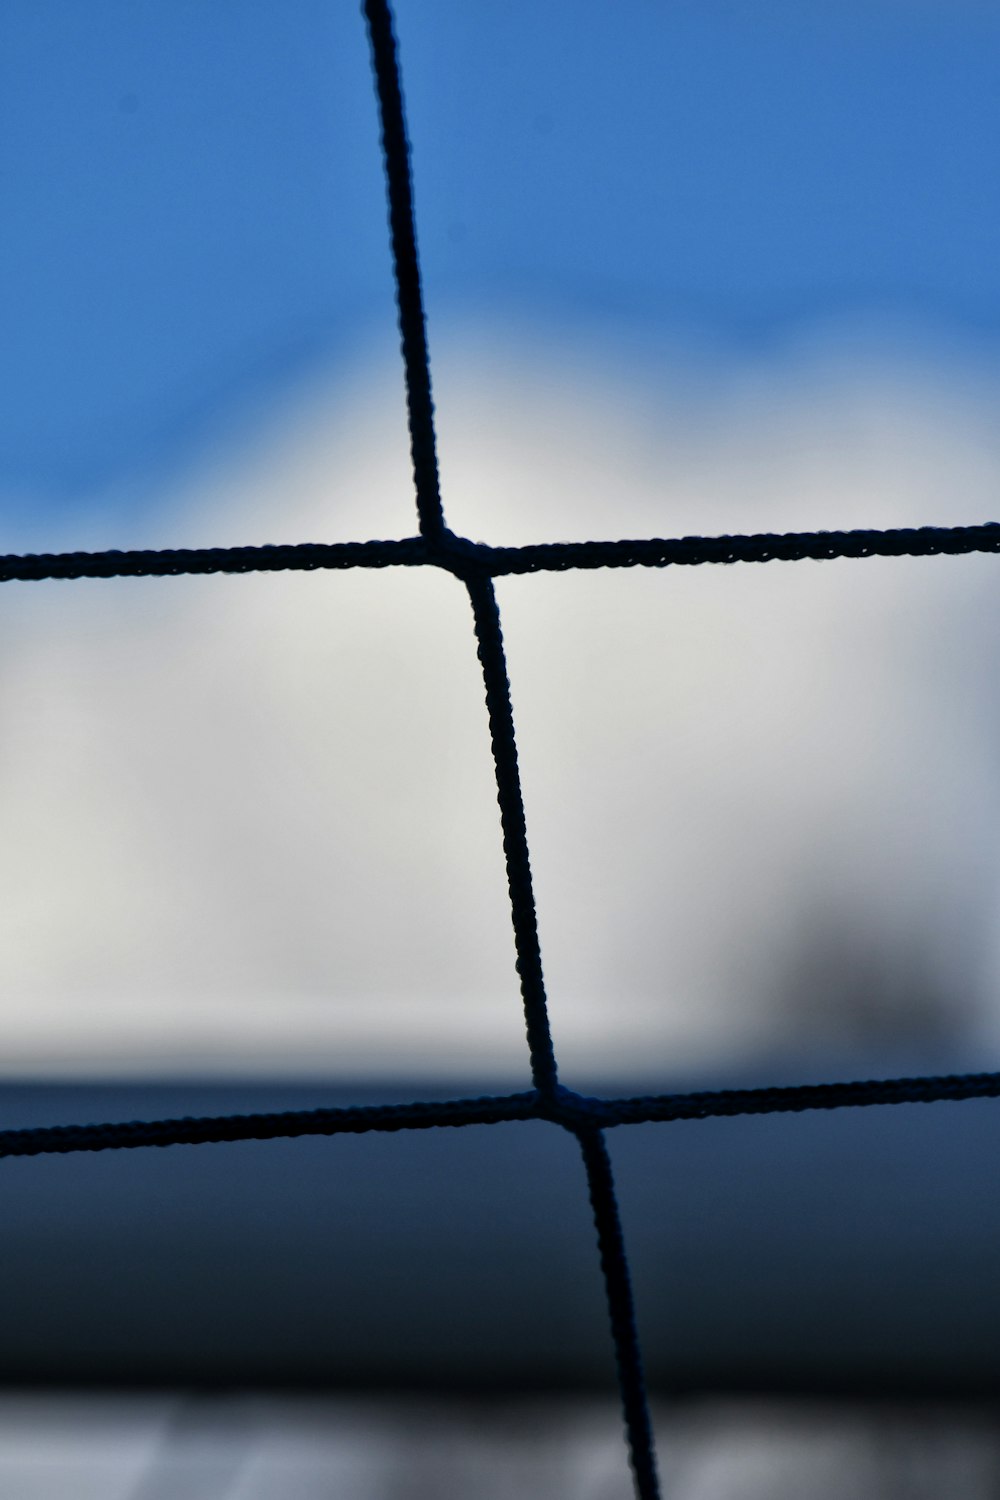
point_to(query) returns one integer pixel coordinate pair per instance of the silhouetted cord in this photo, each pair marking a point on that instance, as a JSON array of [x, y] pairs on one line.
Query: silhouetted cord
[[406, 267], [489, 639], [561, 1107], [759, 547], [175, 562], [462, 557], [793, 1099], [618, 1292], [207, 1130]]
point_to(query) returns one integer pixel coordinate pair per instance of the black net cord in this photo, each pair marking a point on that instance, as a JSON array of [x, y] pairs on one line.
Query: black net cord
[[489, 640], [621, 1310], [461, 556], [561, 1107], [406, 267]]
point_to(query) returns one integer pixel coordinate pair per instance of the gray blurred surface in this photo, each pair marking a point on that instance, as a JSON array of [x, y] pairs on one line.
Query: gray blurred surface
[[840, 1252], [178, 1447]]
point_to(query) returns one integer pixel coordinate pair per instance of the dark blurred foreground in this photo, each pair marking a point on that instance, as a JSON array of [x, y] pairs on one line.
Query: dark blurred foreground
[[851, 1252]]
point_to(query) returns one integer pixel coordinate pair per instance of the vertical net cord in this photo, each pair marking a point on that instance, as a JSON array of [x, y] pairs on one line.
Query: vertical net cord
[[621, 1310], [489, 644], [406, 269]]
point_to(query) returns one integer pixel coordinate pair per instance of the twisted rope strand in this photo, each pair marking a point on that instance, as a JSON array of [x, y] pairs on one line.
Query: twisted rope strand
[[208, 1129], [489, 640], [175, 562], [621, 1311], [759, 547], [406, 267], [796, 1098]]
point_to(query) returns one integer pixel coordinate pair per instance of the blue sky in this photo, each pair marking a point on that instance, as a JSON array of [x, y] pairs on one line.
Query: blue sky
[[194, 219]]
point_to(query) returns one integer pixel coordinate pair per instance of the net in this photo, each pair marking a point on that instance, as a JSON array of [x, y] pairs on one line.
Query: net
[[475, 566]]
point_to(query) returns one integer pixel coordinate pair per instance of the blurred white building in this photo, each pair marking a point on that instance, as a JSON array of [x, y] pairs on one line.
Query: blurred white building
[[249, 823]]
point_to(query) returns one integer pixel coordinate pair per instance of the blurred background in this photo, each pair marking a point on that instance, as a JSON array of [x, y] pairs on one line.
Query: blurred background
[[689, 269]]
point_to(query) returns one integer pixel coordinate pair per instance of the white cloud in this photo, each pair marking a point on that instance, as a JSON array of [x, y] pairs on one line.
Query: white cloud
[[249, 823]]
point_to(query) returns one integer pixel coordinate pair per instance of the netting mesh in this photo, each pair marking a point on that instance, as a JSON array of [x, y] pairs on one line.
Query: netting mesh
[[476, 565]]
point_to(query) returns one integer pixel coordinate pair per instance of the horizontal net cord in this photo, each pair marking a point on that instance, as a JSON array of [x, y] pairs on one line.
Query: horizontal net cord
[[759, 547], [173, 562], [203, 1130], [795, 1098], [575, 1112], [470, 559]]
